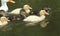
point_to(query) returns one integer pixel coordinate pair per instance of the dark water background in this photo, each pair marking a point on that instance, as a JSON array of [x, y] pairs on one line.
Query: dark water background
[[18, 28]]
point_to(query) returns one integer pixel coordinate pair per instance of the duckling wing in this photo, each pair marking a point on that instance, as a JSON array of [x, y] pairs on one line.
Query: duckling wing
[[0, 23], [4, 23], [16, 11]]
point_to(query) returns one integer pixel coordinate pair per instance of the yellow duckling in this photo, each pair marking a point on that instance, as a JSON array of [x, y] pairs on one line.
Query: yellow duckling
[[3, 21], [35, 19]]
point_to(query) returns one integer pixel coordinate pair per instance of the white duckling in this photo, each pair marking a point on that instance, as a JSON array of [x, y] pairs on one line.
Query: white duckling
[[35, 19], [4, 4], [18, 10], [3, 21]]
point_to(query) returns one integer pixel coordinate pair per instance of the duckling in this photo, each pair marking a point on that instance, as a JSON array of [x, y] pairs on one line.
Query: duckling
[[20, 12], [3, 21], [32, 19]]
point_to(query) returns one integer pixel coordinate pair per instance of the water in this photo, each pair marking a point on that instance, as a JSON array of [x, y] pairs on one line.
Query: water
[[19, 29]]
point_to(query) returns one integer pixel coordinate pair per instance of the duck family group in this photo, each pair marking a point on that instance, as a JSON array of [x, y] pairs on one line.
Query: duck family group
[[25, 14]]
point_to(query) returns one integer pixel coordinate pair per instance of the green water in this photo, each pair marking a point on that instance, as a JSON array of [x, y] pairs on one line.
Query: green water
[[19, 29]]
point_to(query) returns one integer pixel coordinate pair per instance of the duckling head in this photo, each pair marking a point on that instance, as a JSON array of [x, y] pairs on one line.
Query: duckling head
[[27, 7], [43, 12], [4, 19]]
